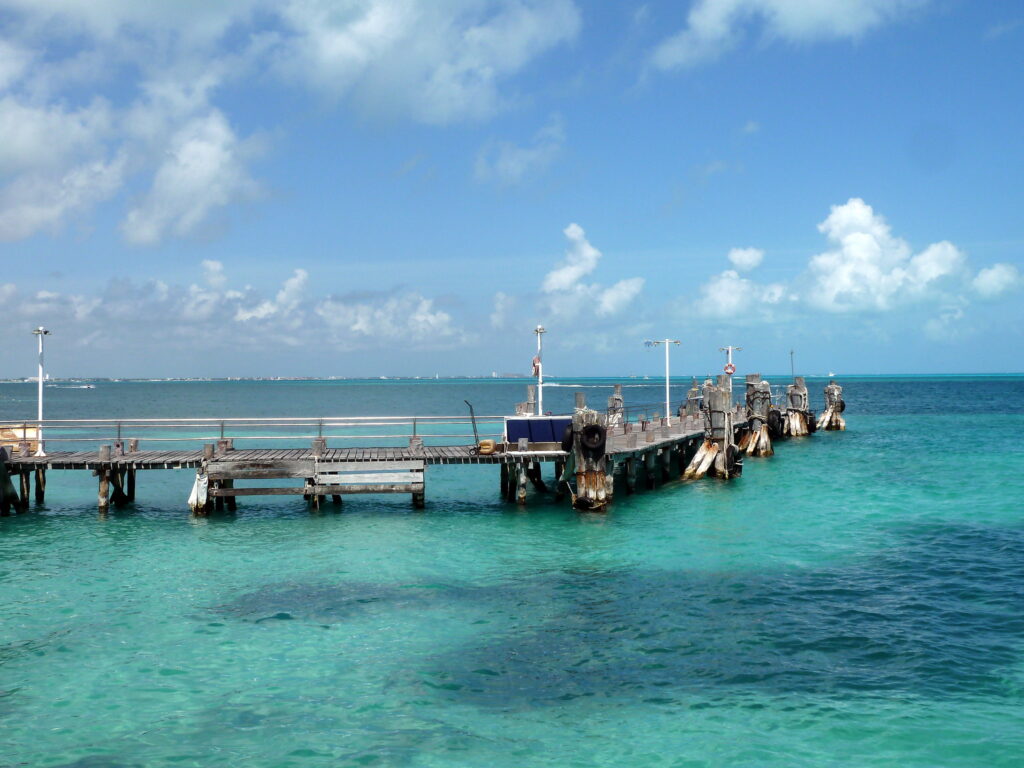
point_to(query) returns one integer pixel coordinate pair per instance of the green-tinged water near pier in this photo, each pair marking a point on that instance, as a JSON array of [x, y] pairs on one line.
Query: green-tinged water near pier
[[857, 599]]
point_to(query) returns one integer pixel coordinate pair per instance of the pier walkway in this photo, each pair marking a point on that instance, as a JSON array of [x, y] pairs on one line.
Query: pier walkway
[[631, 447]]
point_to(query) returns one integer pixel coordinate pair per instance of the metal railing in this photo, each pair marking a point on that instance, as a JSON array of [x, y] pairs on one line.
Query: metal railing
[[434, 430]]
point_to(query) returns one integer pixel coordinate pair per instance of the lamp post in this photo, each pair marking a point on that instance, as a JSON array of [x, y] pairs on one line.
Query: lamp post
[[729, 367], [40, 332], [667, 343], [538, 364]]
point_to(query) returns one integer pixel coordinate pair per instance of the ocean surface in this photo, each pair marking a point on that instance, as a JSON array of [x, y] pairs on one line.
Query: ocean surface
[[855, 600]]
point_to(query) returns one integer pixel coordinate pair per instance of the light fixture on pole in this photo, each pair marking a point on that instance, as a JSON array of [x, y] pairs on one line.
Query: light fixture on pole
[[40, 332], [667, 343], [729, 367], [538, 369]]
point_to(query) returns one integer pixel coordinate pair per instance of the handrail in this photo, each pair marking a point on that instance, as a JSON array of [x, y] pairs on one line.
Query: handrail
[[263, 419]]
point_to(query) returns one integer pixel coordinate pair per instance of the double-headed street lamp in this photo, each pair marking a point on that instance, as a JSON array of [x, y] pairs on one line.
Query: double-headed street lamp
[[538, 369], [40, 332], [667, 343]]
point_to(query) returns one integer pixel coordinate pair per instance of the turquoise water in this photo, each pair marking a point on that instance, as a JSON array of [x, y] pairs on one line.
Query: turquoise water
[[858, 599]]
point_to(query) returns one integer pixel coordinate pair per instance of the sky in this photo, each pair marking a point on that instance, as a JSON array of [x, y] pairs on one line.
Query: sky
[[391, 187]]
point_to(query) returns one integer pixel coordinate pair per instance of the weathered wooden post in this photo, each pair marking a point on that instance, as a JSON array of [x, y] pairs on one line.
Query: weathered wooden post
[[8, 496], [832, 419], [103, 496], [589, 437], [693, 400], [40, 485], [799, 420], [26, 487], [616, 408], [504, 481], [756, 441], [718, 453]]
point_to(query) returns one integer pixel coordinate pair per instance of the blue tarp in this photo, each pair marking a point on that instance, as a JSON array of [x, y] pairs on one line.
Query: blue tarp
[[537, 429]]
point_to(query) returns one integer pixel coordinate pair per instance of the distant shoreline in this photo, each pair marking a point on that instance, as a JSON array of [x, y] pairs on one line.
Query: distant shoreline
[[679, 378]]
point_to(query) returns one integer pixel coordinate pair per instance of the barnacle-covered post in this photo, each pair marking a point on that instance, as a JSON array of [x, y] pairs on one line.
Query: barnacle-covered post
[[718, 454], [692, 407], [832, 419], [8, 495], [756, 441], [799, 420], [589, 437], [616, 408]]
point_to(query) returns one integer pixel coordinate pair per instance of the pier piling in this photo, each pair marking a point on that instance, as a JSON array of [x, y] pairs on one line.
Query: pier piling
[[799, 420], [756, 440], [590, 435], [832, 419]]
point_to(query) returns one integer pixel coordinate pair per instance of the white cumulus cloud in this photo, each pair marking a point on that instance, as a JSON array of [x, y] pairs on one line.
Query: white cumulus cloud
[[566, 292], [871, 269], [435, 62], [728, 295], [405, 317], [996, 280], [714, 27], [745, 259], [203, 171]]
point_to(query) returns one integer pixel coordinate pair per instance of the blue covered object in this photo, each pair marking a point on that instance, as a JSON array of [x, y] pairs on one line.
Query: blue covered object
[[536, 429]]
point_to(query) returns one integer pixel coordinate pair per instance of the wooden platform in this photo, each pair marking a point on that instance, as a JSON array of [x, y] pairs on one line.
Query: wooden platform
[[334, 472], [619, 444]]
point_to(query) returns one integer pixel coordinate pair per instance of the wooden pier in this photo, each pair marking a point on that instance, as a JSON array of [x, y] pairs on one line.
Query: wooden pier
[[597, 447]]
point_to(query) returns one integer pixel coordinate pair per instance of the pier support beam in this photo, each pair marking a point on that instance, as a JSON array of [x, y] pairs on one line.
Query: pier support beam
[[629, 470], [560, 483], [26, 488], [40, 485], [103, 497], [118, 496], [504, 482], [533, 473], [8, 496], [520, 488]]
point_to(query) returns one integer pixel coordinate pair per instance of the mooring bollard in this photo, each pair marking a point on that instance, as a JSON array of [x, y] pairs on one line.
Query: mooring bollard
[[832, 419], [589, 438], [799, 421], [693, 400], [756, 441], [718, 453], [318, 446]]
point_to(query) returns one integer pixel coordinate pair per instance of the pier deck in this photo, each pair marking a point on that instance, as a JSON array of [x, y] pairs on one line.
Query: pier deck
[[630, 450], [619, 446]]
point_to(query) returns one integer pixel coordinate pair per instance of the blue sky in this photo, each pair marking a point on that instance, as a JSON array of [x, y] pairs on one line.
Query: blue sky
[[388, 187]]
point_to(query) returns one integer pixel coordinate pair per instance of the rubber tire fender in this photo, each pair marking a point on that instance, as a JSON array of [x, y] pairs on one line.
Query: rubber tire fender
[[567, 439], [842, 406], [774, 423], [733, 459], [812, 422], [593, 438]]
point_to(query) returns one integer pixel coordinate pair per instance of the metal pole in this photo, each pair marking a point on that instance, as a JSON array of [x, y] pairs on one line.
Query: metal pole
[[540, 331], [792, 371], [40, 332], [666, 379]]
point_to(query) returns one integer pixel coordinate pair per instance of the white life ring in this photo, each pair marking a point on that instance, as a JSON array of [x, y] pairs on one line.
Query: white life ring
[[730, 368]]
